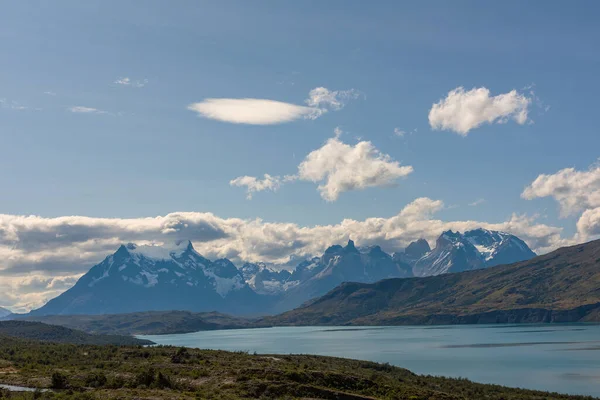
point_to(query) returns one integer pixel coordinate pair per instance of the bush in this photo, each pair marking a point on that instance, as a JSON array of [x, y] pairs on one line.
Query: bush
[[163, 381], [145, 378], [116, 383], [95, 380], [59, 381]]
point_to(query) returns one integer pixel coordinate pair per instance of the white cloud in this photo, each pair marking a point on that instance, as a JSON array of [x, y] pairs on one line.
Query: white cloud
[[270, 112], [254, 184], [334, 99], [128, 82], [49, 93], [39, 257], [463, 110], [477, 202], [252, 111], [401, 133], [576, 192], [340, 167], [86, 110], [588, 225], [337, 167]]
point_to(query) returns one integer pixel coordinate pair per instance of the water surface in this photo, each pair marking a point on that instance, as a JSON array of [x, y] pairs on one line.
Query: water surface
[[562, 358]]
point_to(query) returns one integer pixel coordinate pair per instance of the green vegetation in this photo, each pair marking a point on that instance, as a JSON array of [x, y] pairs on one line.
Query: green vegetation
[[112, 372], [561, 286], [146, 323], [59, 334]]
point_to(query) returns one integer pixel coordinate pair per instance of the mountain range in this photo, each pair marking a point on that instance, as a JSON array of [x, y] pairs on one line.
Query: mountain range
[[143, 278], [4, 312], [562, 286], [158, 278]]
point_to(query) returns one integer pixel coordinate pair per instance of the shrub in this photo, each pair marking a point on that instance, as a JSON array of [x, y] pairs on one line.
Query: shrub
[[59, 381], [96, 380]]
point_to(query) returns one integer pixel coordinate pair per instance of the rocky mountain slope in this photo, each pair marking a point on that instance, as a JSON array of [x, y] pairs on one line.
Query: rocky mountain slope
[[142, 278], [560, 286], [266, 280], [479, 248]]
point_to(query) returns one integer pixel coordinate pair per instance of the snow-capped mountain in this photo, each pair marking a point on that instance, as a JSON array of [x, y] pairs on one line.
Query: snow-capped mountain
[[176, 277], [265, 280], [142, 278], [479, 248], [339, 264], [499, 247], [452, 253]]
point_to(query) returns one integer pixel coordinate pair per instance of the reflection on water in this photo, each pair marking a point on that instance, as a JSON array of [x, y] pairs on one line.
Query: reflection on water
[[529, 356]]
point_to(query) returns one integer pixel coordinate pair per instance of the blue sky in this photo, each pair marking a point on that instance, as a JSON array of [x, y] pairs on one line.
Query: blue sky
[[145, 154]]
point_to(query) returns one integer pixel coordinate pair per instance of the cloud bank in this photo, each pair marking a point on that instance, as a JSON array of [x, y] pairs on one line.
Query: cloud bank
[[40, 257], [461, 111], [270, 112]]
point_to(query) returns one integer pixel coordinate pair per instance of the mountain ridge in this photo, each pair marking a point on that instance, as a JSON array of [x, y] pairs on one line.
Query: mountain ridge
[[144, 278], [563, 285], [138, 278]]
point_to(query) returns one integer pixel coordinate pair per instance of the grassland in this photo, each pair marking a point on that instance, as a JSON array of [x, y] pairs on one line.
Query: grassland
[[112, 372]]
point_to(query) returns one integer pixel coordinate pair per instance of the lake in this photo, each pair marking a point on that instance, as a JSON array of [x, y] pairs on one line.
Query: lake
[[562, 358]]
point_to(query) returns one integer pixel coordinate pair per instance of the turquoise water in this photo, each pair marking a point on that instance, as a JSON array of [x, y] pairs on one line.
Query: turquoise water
[[560, 358]]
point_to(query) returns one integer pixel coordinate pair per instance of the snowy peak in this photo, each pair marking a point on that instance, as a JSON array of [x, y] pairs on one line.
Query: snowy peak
[[499, 247], [478, 248], [266, 280], [452, 253], [151, 277]]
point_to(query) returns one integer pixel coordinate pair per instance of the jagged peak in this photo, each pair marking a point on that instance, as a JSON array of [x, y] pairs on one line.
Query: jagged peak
[[376, 250], [350, 246], [333, 249], [451, 234]]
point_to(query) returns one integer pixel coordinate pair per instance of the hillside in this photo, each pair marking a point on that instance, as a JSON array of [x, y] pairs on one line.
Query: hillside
[[145, 323], [59, 334], [101, 372], [557, 287]]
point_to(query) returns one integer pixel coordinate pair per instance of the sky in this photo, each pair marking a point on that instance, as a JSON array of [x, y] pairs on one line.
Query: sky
[[262, 130]]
